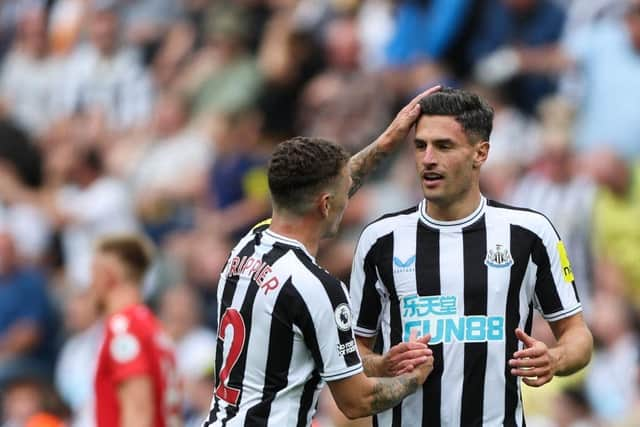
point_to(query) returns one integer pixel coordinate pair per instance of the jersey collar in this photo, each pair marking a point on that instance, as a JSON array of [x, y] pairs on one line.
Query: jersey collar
[[458, 223], [288, 242]]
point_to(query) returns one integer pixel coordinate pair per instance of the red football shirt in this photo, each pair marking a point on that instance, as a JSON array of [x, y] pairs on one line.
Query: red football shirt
[[134, 345]]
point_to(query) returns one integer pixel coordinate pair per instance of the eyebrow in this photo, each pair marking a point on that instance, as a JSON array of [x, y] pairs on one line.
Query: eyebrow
[[436, 141]]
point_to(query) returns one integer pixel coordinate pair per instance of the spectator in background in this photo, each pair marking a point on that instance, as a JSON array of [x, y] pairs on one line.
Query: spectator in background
[[503, 34], [181, 313], [617, 209], [66, 19], [166, 166], [604, 58], [86, 206], [30, 77], [515, 144], [76, 362], [344, 103], [556, 187], [10, 13], [22, 162], [612, 380], [27, 320], [31, 402], [288, 58], [146, 21], [572, 409], [91, 205], [105, 80], [224, 76], [237, 192], [425, 30]]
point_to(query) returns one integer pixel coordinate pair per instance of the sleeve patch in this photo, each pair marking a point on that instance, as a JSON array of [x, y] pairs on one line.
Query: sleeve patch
[[567, 273], [124, 348]]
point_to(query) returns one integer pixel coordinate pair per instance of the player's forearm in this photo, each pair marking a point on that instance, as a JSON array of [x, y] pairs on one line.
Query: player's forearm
[[366, 161], [372, 363], [573, 351], [386, 393]]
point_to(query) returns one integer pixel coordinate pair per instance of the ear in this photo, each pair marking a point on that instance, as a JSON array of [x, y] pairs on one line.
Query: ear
[[481, 152], [324, 204]]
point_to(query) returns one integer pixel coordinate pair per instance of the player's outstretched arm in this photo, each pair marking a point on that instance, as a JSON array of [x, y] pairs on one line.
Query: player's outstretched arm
[[367, 159], [360, 396], [538, 364]]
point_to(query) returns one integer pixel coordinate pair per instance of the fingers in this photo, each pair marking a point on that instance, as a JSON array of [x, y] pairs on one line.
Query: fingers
[[532, 372], [397, 358], [413, 336], [424, 339], [427, 92], [410, 365], [531, 352], [529, 362], [537, 382], [526, 339]]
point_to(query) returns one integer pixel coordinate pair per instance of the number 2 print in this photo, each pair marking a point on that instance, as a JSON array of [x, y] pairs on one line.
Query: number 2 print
[[233, 318]]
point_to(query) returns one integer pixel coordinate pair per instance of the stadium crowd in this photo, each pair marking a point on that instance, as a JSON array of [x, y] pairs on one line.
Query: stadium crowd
[[159, 116]]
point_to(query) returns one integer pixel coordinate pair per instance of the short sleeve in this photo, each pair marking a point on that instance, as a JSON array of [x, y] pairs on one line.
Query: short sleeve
[[127, 351], [327, 329], [365, 298], [555, 290]]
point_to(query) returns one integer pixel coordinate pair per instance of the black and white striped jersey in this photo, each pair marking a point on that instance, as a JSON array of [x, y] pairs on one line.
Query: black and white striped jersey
[[285, 329], [470, 283]]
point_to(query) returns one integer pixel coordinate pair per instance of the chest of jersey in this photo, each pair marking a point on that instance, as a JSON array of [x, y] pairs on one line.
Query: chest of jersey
[[453, 284]]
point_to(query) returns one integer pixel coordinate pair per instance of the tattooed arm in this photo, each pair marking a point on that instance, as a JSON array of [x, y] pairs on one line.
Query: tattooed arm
[[359, 396], [367, 159]]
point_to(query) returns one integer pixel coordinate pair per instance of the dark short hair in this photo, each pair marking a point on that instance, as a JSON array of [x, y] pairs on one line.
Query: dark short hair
[[301, 167], [132, 250], [473, 113]]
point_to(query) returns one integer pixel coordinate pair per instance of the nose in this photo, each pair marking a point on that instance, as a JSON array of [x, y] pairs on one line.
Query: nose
[[429, 156]]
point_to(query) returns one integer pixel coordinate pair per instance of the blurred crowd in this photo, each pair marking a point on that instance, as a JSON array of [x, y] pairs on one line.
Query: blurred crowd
[[158, 116]]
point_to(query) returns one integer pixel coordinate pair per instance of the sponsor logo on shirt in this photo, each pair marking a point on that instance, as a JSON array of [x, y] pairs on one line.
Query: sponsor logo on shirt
[[404, 266], [438, 315]]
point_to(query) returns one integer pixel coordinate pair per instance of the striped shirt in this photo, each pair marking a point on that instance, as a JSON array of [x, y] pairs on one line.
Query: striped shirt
[[470, 283], [285, 329]]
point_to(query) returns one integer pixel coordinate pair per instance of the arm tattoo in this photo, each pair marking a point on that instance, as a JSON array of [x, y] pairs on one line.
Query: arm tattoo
[[388, 392], [369, 364], [362, 163]]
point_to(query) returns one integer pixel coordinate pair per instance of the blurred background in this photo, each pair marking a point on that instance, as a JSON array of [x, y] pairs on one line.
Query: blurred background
[[159, 116]]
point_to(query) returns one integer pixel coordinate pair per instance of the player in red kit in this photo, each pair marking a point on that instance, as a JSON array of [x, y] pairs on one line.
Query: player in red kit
[[136, 381]]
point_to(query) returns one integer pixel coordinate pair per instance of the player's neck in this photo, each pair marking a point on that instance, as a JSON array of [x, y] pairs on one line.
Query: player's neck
[[121, 297], [302, 229], [458, 209]]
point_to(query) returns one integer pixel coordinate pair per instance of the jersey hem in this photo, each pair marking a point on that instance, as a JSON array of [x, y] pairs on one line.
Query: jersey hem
[[562, 314], [364, 332], [345, 374]]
